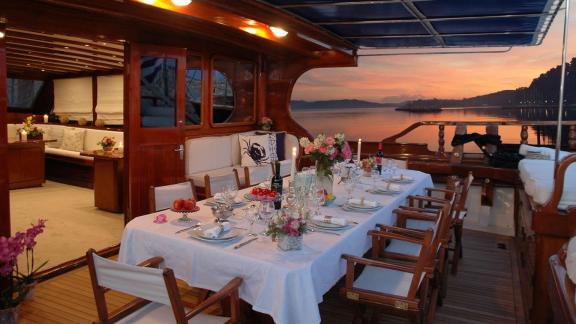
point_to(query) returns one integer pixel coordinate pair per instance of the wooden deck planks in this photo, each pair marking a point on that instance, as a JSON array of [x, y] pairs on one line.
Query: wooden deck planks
[[484, 291]]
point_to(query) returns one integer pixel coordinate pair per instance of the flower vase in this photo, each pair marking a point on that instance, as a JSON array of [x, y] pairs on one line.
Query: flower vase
[[325, 182], [287, 242], [9, 315], [31, 291], [107, 149]]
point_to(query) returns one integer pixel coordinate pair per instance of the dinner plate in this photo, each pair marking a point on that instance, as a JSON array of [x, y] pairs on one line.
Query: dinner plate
[[212, 202], [359, 210], [401, 180], [198, 233], [384, 192], [364, 206], [326, 225]]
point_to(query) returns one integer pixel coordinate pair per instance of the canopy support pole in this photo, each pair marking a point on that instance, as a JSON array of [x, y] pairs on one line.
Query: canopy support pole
[[562, 80]]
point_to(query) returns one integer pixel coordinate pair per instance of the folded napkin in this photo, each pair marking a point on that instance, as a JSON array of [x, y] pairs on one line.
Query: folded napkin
[[331, 220], [215, 230], [390, 187], [401, 177], [362, 202]]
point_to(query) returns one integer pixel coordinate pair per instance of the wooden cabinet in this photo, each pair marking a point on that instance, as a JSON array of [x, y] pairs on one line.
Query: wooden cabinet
[[108, 175], [25, 164]]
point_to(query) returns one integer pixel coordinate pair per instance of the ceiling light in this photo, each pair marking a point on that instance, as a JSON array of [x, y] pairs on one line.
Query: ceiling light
[[181, 3], [278, 32], [66, 47], [2, 34], [87, 45], [43, 70]]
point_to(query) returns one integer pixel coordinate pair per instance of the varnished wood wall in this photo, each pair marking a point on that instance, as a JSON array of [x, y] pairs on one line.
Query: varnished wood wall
[[4, 194]]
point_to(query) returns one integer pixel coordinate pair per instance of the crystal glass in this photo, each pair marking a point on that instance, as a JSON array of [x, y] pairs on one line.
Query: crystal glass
[[267, 210]]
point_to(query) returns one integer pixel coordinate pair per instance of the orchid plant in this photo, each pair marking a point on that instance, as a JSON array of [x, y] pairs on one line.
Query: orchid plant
[[326, 151], [31, 130], [17, 283]]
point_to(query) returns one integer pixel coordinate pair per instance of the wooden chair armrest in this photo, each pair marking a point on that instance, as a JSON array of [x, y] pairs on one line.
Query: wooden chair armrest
[[433, 211], [230, 289], [153, 262], [409, 214], [394, 236], [428, 199], [377, 263], [401, 230], [429, 191]]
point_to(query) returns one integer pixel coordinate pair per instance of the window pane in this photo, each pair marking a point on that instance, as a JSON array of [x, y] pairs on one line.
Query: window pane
[[233, 91], [194, 90], [23, 93], [158, 92]]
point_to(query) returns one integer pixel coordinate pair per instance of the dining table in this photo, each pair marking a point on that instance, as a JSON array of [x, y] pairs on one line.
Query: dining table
[[287, 285]]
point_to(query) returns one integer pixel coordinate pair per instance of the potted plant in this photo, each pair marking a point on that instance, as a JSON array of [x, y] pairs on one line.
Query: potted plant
[[326, 151], [266, 123], [107, 143], [16, 285], [32, 132], [288, 230]]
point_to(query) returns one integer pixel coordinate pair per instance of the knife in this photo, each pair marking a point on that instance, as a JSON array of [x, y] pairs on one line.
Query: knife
[[237, 246], [187, 228]]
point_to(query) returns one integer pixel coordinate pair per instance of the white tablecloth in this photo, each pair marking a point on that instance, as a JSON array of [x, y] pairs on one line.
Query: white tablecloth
[[286, 285]]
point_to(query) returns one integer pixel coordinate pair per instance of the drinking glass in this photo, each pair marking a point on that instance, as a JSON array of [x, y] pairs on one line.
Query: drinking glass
[[349, 186], [267, 210], [319, 200]]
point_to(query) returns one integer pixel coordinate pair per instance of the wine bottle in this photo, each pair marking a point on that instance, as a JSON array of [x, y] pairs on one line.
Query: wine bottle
[[379, 158], [276, 185]]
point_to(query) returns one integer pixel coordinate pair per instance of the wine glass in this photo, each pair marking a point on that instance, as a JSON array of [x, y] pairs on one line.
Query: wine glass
[[349, 186], [319, 200], [230, 193], [267, 210]]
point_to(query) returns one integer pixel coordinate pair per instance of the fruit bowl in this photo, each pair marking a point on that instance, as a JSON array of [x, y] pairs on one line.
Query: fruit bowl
[[184, 207]]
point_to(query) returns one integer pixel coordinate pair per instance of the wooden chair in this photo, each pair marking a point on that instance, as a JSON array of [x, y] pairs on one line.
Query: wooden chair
[[561, 289], [161, 197], [214, 184], [459, 214], [398, 289], [157, 297]]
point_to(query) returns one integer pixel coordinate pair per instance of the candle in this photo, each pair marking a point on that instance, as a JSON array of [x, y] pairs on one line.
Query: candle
[[24, 135], [359, 149], [120, 146], [45, 119], [293, 166]]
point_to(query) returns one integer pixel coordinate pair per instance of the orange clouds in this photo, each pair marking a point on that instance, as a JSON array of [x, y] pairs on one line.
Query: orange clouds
[[397, 78]]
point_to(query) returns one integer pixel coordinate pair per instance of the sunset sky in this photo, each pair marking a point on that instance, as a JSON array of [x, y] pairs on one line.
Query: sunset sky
[[399, 78]]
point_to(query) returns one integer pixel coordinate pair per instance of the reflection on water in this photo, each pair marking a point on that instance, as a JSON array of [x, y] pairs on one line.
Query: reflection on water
[[375, 124]]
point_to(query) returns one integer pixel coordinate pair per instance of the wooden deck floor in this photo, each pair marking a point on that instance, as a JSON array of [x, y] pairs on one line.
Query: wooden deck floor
[[486, 290]]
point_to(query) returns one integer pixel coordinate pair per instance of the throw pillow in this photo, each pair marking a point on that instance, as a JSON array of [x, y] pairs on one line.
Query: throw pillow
[[255, 150], [280, 145], [54, 133], [73, 139]]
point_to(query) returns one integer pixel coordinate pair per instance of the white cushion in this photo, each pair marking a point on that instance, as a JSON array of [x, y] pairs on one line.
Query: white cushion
[[290, 141], [67, 153], [420, 224], [387, 281], [285, 166], [93, 136], [255, 150], [259, 174], [54, 132], [73, 139], [550, 153], [538, 179], [156, 313], [403, 247], [207, 153], [199, 177]]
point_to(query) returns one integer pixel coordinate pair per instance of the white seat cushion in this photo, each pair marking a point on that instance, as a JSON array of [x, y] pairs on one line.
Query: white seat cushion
[[199, 177], [54, 132], [420, 224], [67, 153], [73, 139], [156, 313], [538, 179], [207, 154], [259, 174], [403, 247], [387, 281]]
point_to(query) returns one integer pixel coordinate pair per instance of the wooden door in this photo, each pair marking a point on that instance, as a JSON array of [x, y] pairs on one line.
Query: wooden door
[[154, 120]]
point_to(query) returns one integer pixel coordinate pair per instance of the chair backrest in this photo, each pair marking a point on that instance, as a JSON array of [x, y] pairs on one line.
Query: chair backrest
[[425, 261], [162, 197], [465, 187], [214, 184], [148, 284]]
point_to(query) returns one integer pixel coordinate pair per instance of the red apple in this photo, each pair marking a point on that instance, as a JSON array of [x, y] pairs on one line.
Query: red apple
[[178, 204]]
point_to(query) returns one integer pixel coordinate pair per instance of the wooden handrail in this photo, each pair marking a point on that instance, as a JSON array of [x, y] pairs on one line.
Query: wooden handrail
[[410, 128]]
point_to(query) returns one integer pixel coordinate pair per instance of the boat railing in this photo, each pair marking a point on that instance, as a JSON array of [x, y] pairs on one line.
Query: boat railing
[[407, 150]]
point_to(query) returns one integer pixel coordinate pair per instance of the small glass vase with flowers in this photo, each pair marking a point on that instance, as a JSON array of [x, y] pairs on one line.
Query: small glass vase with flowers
[[266, 123], [288, 229], [107, 143]]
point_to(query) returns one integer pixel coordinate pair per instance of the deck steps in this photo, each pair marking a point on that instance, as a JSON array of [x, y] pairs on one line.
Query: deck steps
[[486, 290]]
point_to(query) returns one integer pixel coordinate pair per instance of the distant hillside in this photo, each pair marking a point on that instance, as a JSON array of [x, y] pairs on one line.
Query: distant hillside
[[543, 91], [344, 103]]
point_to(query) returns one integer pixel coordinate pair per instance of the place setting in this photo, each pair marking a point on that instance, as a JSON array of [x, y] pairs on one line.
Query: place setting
[[361, 205]]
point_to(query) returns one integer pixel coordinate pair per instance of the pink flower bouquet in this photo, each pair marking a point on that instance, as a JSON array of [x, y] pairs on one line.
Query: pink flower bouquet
[[326, 151]]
